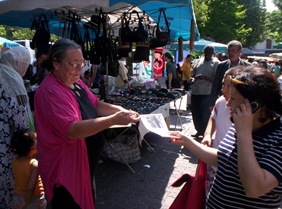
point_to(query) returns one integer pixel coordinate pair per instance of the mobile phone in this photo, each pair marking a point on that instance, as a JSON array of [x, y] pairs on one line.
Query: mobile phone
[[254, 105]]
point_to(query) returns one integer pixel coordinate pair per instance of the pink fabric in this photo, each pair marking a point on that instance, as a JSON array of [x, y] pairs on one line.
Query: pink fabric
[[60, 159]]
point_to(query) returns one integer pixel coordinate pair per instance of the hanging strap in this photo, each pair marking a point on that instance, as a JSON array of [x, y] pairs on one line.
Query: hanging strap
[[166, 22]]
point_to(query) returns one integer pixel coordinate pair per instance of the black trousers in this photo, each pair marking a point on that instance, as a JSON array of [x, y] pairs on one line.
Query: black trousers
[[200, 112], [62, 199], [95, 145]]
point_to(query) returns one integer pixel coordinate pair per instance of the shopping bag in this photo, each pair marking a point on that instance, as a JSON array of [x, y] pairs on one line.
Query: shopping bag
[[192, 195]]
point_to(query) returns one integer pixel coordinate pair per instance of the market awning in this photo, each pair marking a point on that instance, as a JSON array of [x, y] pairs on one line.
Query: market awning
[[7, 43], [200, 45], [179, 13], [277, 46]]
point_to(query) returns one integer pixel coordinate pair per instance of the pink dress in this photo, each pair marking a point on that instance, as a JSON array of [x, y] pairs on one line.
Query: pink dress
[[61, 160]]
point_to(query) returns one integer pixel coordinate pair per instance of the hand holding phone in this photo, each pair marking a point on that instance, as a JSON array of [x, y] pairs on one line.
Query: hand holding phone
[[254, 105]]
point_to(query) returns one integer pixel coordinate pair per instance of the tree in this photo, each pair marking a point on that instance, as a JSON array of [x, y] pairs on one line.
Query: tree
[[278, 3], [225, 21], [255, 19], [18, 33], [274, 26], [200, 10]]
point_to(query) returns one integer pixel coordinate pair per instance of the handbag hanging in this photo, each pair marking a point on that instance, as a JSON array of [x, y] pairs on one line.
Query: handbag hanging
[[161, 35], [100, 53], [42, 33], [192, 195], [141, 53], [125, 47], [138, 34], [155, 42]]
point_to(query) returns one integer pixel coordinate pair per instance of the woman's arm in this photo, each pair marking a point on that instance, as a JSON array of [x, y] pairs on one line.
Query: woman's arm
[[206, 154], [109, 115], [255, 180], [211, 128]]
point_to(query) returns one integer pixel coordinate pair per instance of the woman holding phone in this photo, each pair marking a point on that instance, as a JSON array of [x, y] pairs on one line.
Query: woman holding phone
[[249, 157]]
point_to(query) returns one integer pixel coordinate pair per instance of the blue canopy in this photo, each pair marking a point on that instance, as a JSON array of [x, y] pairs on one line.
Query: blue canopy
[[7, 43], [200, 45], [179, 13]]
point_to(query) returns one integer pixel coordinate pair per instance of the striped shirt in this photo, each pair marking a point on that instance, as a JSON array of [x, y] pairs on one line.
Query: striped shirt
[[227, 190]]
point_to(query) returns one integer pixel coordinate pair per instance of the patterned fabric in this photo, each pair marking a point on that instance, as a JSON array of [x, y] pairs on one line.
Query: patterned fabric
[[12, 118]]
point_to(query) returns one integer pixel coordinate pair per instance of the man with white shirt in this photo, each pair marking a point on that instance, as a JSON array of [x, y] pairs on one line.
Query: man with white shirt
[[234, 52]]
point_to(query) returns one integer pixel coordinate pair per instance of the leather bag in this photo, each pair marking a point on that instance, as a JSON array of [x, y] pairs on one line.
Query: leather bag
[[162, 35], [42, 34]]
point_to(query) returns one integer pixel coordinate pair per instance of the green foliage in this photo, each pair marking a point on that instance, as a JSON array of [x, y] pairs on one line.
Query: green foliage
[[278, 3], [226, 20], [200, 9], [274, 26], [18, 33]]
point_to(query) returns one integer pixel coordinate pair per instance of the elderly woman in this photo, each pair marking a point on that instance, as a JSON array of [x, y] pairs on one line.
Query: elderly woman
[[249, 157], [69, 120], [15, 114]]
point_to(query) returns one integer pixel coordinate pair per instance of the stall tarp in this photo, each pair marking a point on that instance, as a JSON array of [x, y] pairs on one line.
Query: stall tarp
[[277, 46], [21, 13], [200, 45], [7, 43]]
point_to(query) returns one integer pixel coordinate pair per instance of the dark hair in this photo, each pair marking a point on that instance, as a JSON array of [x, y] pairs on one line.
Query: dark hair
[[209, 49], [57, 52], [22, 141], [263, 86], [189, 55], [86, 72], [234, 71], [168, 55], [235, 43]]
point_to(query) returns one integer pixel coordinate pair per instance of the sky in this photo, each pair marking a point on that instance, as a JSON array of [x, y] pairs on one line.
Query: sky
[[270, 6]]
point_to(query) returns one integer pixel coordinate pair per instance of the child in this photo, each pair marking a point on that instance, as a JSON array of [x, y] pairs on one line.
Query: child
[[86, 78], [29, 192]]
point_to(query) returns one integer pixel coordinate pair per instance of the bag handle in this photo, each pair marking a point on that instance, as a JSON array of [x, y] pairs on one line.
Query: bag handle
[[43, 23], [201, 170], [166, 22], [134, 11]]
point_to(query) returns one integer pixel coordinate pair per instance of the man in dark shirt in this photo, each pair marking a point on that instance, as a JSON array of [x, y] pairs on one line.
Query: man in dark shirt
[[234, 51]]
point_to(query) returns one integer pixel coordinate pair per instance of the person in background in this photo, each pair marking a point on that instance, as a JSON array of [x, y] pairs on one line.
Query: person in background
[[69, 120], [186, 72], [95, 75], [15, 114], [277, 70], [234, 51], [121, 81], [248, 159], [172, 80], [179, 72], [263, 64], [203, 73], [29, 191], [219, 121], [86, 78]]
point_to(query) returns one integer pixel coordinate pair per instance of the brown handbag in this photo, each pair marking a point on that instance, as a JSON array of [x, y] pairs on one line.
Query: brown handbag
[[161, 35]]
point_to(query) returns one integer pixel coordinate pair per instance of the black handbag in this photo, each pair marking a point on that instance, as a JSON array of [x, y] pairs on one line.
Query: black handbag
[[125, 47], [101, 52], [141, 53], [138, 34], [113, 68], [42, 34]]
